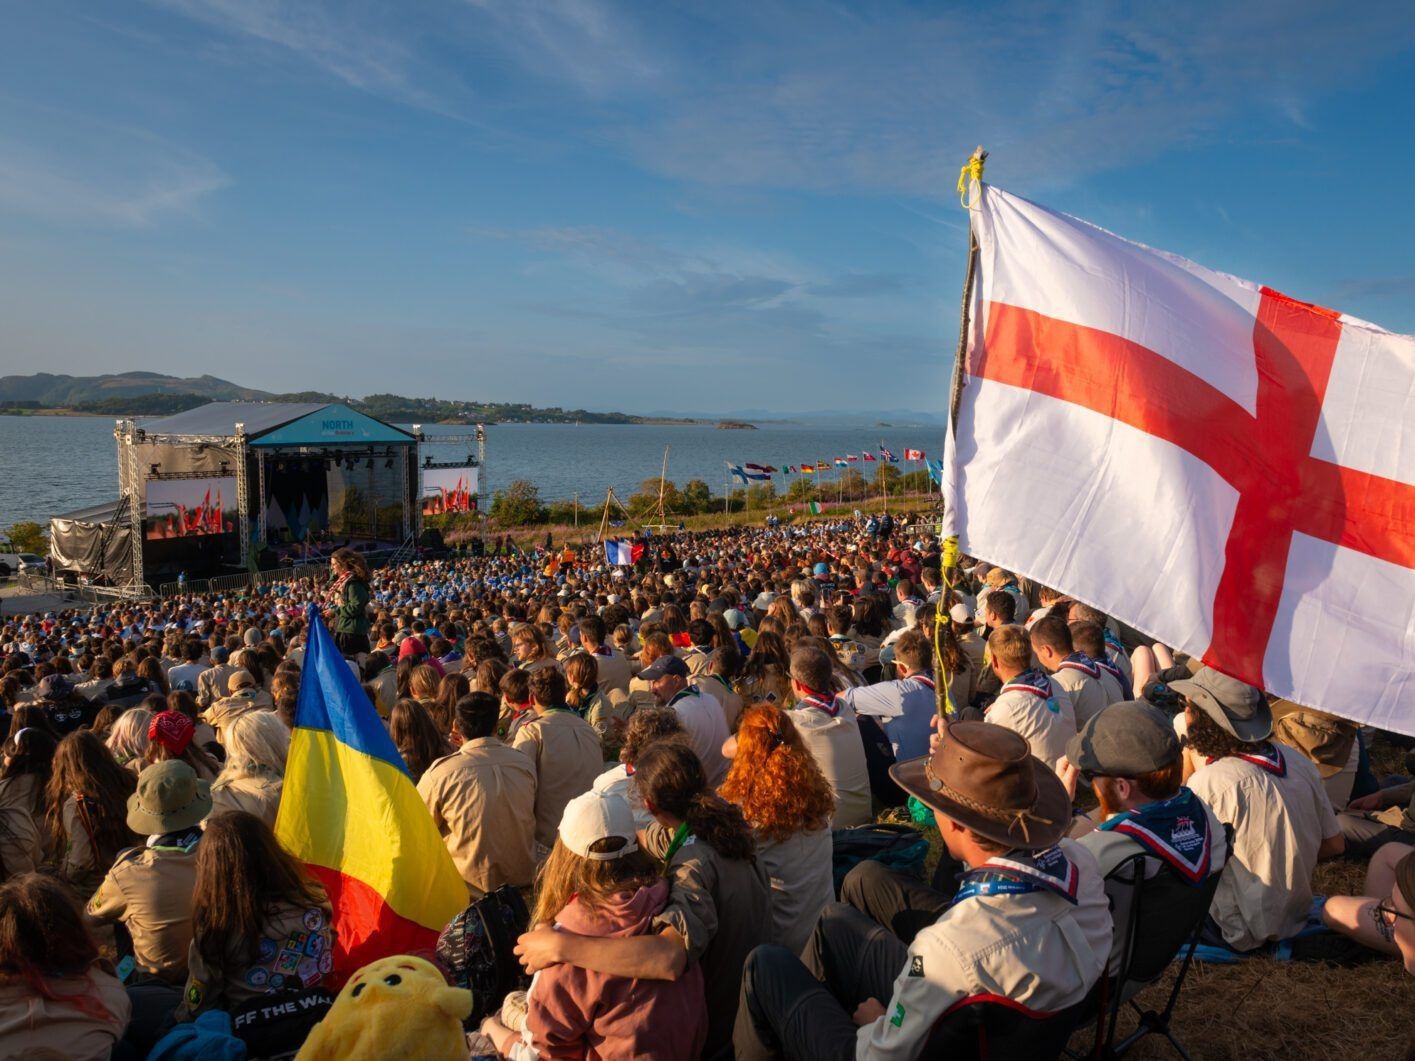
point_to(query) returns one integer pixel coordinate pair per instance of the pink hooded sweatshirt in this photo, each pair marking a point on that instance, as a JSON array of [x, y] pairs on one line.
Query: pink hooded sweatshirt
[[577, 1013]]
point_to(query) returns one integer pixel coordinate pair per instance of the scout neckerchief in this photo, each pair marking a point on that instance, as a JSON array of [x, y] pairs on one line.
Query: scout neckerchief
[[923, 678], [1037, 684], [1111, 641], [1270, 759], [1175, 829], [179, 840], [1110, 668], [816, 700], [1081, 662], [1020, 873], [601, 650], [683, 693]]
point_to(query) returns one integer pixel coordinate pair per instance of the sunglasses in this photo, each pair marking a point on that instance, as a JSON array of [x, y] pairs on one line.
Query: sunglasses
[[1389, 913]]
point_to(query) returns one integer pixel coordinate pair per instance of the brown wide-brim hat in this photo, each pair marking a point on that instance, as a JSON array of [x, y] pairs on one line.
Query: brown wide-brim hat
[[985, 778]]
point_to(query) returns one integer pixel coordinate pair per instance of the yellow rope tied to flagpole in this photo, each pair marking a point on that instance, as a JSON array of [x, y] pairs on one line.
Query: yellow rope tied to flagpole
[[948, 564], [972, 169]]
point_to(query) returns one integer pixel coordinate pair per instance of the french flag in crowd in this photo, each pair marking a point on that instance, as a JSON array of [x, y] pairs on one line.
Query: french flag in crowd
[[913, 454], [622, 553]]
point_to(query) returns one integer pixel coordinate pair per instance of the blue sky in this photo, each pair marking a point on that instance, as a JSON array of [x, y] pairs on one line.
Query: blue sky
[[649, 206]]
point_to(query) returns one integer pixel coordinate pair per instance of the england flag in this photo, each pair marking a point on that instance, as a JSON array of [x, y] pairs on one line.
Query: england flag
[[1218, 464]]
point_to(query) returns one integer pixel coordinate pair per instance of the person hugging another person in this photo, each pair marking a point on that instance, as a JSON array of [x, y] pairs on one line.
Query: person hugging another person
[[598, 883]]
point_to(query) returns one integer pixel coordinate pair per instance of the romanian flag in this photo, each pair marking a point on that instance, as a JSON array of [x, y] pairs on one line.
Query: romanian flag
[[351, 814]]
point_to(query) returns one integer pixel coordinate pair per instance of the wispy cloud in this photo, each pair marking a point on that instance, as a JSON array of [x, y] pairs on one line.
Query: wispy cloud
[[348, 41], [885, 98], [110, 176], [659, 305]]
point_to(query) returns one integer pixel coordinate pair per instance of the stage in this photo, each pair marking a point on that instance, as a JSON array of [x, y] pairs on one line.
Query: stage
[[248, 486]]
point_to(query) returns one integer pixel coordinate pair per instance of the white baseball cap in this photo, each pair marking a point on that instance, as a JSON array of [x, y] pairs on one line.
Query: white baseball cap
[[961, 613], [594, 816]]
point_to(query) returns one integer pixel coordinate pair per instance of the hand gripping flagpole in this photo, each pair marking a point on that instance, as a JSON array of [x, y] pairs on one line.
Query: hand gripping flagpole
[[971, 174]]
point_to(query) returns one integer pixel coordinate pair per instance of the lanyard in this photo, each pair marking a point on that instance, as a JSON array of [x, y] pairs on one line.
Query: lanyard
[[680, 837]]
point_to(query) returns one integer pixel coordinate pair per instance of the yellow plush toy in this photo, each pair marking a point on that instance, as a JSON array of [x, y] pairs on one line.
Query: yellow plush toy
[[399, 1007]]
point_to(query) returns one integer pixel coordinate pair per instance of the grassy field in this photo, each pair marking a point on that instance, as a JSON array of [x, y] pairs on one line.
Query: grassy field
[[562, 533]]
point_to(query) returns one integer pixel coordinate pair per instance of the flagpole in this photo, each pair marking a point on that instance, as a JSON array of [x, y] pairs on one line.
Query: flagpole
[[727, 490], [972, 168]]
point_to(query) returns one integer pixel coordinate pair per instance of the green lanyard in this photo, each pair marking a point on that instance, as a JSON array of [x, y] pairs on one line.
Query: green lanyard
[[680, 837]]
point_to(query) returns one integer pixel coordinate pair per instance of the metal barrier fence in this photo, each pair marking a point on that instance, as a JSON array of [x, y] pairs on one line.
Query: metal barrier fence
[[82, 594], [245, 580]]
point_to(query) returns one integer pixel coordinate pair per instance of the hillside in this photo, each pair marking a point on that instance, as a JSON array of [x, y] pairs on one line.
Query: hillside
[[153, 394]]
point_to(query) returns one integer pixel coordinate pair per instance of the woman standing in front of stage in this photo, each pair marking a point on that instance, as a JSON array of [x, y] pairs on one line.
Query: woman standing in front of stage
[[351, 622]]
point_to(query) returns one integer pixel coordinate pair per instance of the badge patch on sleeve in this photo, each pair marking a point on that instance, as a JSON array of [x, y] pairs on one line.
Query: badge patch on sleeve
[[916, 967], [898, 1019]]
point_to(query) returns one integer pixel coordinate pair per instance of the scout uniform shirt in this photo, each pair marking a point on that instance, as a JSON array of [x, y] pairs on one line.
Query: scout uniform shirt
[[21, 831], [602, 708], [614, 670], [1081, 678], [483, 799], [1042, 946], [830, 733], [699, 661], [1181, 832], [1280, 815], [295, 950], [61, 1017], [150, 890], [1039, 710], [258, 795], [705, 723], [567, 756]]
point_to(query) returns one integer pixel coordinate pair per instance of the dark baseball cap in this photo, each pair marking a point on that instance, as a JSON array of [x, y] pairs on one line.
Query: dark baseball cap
[[1124, 740], [662, 666]]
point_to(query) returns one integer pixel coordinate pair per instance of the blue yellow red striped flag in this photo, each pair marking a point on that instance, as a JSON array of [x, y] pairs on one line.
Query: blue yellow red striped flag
[[351, 813]]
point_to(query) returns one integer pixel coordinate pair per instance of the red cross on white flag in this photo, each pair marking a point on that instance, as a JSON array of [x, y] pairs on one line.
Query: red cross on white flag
[[1219, 465]]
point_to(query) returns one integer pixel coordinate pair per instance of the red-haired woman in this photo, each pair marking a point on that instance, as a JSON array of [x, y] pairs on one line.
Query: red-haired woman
[[788, 803]]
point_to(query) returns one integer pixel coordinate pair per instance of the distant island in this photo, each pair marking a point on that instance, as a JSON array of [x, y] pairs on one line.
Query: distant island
[[154, 394], [735, 425]]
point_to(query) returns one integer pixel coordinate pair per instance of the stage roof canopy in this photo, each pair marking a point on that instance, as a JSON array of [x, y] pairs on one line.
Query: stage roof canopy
[[281, 424]]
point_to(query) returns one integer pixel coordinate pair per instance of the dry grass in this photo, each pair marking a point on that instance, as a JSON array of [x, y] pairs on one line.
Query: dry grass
[[1265, 1009]]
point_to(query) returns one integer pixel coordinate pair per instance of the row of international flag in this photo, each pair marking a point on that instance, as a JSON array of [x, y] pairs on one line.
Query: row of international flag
[[749, 472]]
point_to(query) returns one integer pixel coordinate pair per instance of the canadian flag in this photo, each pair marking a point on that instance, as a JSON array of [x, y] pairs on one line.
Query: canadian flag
[[1221, 466], [913, 454]]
